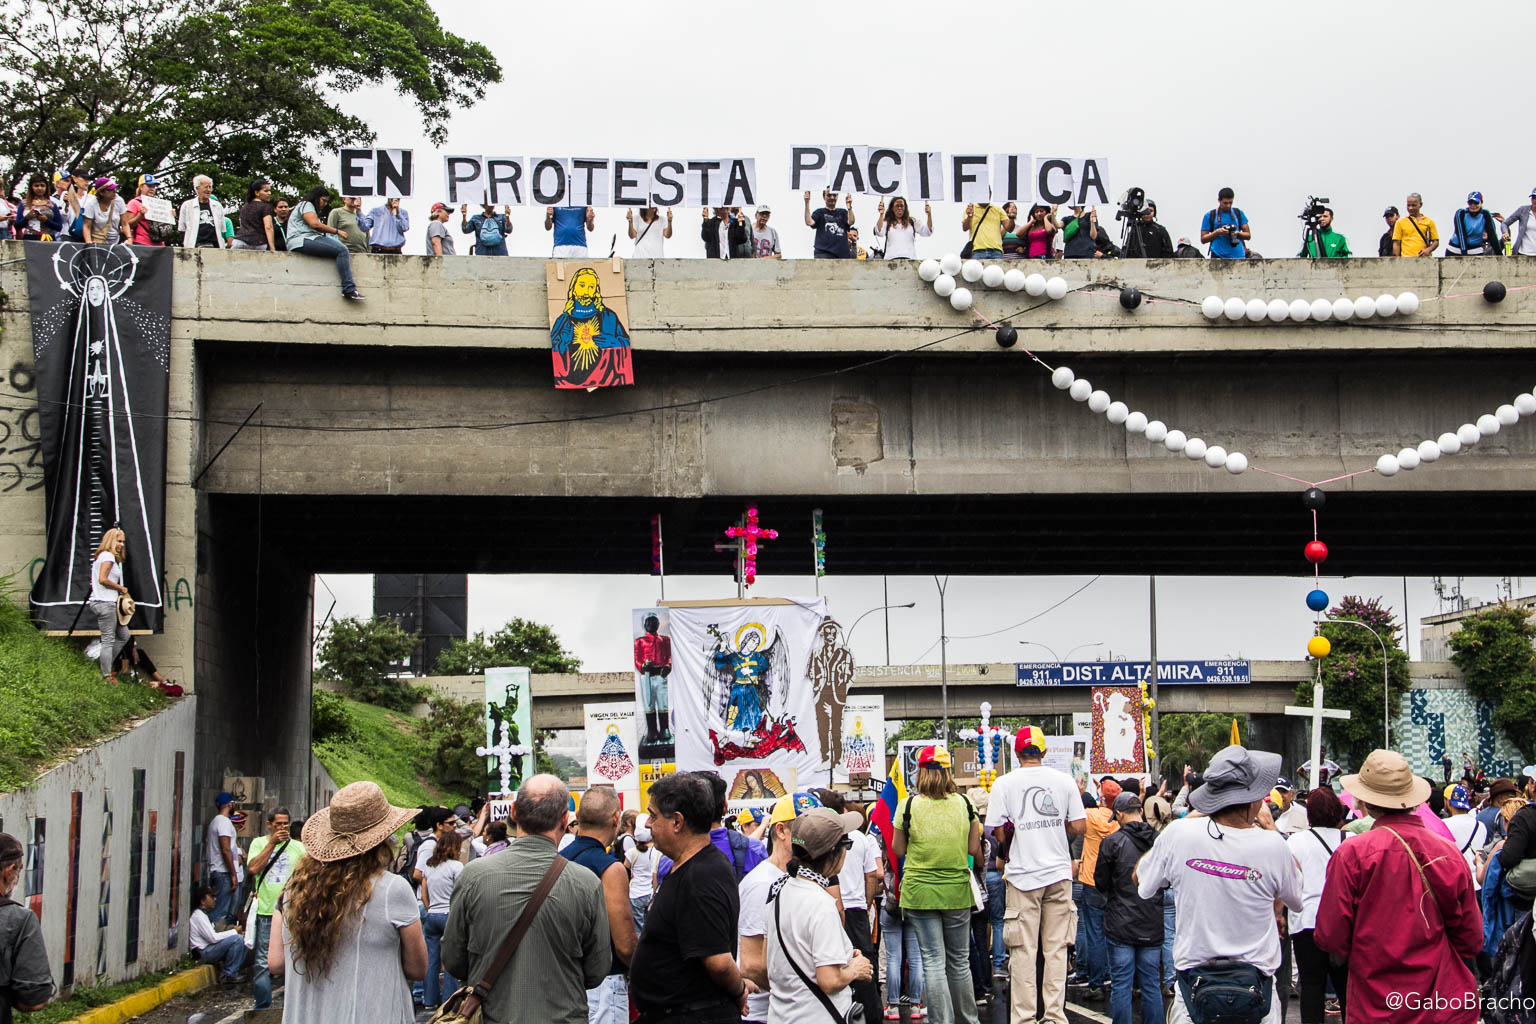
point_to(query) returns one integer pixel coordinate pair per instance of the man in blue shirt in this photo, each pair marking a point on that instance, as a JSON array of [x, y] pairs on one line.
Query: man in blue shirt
[[1225, 229], [390, 223], [1474, 231], [598, 828], [570, 225], [491, 229]]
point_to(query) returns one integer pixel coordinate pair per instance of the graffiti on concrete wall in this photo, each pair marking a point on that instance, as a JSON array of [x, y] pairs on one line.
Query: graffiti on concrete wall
[[21, 431]]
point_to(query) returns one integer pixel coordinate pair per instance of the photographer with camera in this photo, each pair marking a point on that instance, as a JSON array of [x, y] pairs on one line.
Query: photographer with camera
[[1225, 229], [1319, 240], [1145, 238]]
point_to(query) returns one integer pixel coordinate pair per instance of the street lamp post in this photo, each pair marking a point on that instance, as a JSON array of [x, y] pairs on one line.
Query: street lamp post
[[1386, 683], [1060, 661], [943, 660], [848, 637]]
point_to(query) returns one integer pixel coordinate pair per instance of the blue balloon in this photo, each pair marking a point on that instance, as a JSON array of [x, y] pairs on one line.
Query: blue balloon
[[1317, 600]]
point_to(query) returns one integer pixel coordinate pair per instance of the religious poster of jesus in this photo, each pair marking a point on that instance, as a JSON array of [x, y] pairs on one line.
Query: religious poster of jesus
[[1118, 744], [588, 311]]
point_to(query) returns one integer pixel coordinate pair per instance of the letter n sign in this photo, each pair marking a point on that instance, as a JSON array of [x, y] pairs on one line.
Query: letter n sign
[[381, 173]]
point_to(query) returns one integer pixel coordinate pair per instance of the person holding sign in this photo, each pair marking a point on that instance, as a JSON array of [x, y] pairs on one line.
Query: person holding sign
[[390, 223], [491, 229], [986, 223], [900, 229], [570, 225], [831, 225], [724, 234], [651, 234], [135, 217]]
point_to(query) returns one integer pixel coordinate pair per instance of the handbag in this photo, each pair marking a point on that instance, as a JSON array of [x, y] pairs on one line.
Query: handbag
[[855, 1014], [463, 1007], [978, 894], [1523, 878], [969, 249]]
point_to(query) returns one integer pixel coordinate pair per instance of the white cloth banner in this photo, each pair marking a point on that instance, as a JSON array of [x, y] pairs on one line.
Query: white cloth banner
[[741, 696], [863, 737], [611, 747]]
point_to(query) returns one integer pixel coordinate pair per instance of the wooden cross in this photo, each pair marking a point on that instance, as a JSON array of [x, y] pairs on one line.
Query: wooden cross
[[1317, 713], [504, 751]]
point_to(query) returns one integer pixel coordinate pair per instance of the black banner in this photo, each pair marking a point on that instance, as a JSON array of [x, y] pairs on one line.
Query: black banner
[[101, 342]]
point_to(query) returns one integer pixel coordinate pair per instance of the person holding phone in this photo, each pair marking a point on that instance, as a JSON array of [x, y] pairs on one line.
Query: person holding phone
[[390, 223], [272, 860]]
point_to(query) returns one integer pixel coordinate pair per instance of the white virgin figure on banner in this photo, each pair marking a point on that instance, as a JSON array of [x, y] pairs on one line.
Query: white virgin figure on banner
[[1119, 728], [747, 689]]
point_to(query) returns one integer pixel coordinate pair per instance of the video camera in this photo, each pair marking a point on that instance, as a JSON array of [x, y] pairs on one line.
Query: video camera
[[1312, 210], [1133, 203]]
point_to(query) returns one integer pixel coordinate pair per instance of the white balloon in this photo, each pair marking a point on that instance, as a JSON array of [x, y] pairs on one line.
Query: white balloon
[[992, 276], [972, 270], [1080, 390], [1215, 456], [1343, 308], [1508, 415], [1279, 310], [944, 286], [1468, 435], [1487, 424], [1525, 404], [1429, 451], [929, 270], [1386, 305], [1136, 423], [1236, 308], [1237, 463], [1056, 288], [1322, 309], [1063, 377], [1408, 458], [1212, 306], [1156, 431], [1387, 465], [1034, 285], [1098, 401], [1365, 307], [1195, 448], [950, 265], [1407, 303], [961, 298], [1117, 413], [1301, 310], [1175, 441], [1448, 443], [1013, 280], [1257, 309]]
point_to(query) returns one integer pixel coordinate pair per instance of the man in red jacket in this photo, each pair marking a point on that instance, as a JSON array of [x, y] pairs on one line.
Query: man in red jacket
[[1399, 904]]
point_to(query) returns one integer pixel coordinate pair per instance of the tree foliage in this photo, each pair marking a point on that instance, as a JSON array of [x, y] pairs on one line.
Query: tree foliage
[[1191, 738], [528, 644], [236, 89], [1352, 678], [329, 719], [450, 733], [359, 653], [1493, 649]]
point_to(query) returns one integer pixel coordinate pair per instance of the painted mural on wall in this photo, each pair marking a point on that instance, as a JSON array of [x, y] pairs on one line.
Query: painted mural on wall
[[1433, 723]]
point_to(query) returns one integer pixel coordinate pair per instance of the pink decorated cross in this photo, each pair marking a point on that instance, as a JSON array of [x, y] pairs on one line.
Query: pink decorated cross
[[747, 538]]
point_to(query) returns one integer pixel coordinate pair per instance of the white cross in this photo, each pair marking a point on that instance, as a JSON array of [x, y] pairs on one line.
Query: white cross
[[503, 752], [1317, 713]]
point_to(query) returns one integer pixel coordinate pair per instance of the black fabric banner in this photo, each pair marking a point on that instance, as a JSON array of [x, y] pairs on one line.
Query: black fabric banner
[[101, 343]]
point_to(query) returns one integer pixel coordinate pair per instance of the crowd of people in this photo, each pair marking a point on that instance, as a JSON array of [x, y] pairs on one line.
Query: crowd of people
[[1392, 898]]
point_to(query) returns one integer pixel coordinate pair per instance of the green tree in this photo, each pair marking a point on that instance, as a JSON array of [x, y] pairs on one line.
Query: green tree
[[359, 653], [236, 89], [1191, 738], [520, 642], [1352, 677], [450, 733], [1493, 649]]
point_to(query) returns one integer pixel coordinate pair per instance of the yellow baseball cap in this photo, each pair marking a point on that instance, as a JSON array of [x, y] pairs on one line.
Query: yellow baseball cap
[[788, 808]]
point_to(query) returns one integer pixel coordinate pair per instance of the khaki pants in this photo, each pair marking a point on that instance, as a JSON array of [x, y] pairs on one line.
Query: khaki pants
[[1038, 920]]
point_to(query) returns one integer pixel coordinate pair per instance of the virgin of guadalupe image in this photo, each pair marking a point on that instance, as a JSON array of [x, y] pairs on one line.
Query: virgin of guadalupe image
[[589, 345]]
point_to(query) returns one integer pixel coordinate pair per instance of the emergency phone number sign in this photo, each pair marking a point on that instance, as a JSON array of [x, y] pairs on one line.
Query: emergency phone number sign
[[1131, 673]]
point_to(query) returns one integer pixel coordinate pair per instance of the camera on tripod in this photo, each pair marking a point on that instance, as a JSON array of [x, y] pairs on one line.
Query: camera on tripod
[[1312, 211], [1133, 203]]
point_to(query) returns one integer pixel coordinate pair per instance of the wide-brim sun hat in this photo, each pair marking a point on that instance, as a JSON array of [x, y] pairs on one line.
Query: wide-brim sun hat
[[1235, 775], [125, 609], [359, 818], [1386, 780]]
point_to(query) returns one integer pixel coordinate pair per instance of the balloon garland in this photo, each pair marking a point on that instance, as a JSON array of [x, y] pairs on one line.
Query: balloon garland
[[989, 746]]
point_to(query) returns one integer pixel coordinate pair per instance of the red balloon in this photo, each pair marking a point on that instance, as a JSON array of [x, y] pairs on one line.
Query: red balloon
[[1316, 551]]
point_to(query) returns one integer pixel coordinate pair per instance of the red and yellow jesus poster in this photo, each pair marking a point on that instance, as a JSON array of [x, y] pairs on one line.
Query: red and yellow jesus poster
[[588, 311]]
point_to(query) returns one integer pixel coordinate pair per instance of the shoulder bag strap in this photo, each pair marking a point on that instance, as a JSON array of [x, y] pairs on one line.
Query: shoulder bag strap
[[810, 983], [1423, 876], [261, 877], [987, 208], [515, 937], [1415, 225], [1471, 835], [1319, 837]]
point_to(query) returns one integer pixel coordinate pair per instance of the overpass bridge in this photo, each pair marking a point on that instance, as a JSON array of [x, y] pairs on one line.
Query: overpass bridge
[[418, 431]]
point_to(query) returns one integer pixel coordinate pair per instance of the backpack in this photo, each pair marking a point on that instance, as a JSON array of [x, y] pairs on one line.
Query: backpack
[[490, 231], [1237, 219], [408, 850], [739, 848], [1506, 986]]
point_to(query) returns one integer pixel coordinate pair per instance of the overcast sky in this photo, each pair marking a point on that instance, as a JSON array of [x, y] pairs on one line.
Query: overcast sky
[[1361, 103]]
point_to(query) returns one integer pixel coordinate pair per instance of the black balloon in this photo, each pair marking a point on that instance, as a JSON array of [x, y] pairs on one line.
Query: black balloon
[[1130, 298], [1314, 498], [1006, 336], [1494, 291]]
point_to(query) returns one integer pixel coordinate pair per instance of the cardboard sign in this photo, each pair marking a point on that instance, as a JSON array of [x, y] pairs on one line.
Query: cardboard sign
[[599, 181], [160, 211], [382, 173], [501, 810]]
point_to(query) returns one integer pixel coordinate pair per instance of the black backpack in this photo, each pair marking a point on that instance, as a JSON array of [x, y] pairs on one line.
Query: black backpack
[[1508, 983]]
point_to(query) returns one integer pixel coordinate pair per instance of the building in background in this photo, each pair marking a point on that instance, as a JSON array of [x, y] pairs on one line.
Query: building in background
[[434, 606]]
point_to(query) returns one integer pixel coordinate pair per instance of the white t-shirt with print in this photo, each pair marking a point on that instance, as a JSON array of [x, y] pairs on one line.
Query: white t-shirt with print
[[1039, 801], [814, 936], [753, 895], [1235, 874], [861, 860]]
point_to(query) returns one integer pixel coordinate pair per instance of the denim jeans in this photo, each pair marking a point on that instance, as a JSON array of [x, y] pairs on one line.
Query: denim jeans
[[997, 899], [1080, 940], [223, 899], [432, 992], [328, 248], [1097, 959], [1127, 965], [944, 936], [986, 254], [608, 1003], [261, 978], [901, 946], [1170, 915], [638, 907], [230, 951]]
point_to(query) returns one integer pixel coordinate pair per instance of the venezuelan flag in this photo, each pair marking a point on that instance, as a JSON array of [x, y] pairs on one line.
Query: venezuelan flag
[[883, 815]]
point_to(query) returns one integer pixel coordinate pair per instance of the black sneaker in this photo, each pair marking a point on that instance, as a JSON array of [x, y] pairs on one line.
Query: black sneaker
[[355, 296]]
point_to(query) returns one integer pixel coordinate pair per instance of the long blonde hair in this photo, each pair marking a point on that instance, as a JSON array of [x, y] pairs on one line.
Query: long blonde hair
[[935, 782], [570, 292], [1513, 804], [109, 539], [323, 899]]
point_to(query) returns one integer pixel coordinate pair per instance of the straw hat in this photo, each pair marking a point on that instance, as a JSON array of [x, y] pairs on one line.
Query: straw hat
[[358, 819], [1387, 781], [125, 609]]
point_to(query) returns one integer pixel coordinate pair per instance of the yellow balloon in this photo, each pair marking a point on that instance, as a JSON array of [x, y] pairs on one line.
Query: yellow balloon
[[1319, 647]]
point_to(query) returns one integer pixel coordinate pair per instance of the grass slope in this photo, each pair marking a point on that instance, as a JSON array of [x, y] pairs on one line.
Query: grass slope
[[52, 700], [387, 751]]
